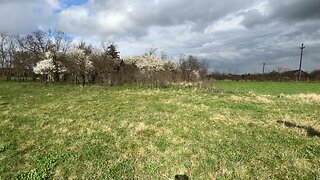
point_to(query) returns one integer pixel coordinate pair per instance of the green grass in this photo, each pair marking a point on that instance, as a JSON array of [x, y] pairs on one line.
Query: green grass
[[127, 132], [274, 88]]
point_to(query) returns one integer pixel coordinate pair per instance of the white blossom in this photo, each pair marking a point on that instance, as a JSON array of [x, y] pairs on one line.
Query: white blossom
[[96, 52], [48, 55], [89, 66], [151, 63], [48, 66], [43, 67], [196, 73], [79, 57], [171, 66], [76, 53]]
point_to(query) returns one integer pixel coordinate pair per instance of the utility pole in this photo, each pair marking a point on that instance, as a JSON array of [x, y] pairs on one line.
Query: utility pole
[[262, 75], [263, 65], [302, 47]]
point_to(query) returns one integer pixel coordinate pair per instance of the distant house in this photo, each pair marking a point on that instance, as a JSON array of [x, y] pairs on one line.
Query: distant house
[[294, 75]]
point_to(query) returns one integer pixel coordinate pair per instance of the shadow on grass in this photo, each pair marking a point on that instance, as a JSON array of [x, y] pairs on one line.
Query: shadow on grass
[[311, 132], [181, 177]]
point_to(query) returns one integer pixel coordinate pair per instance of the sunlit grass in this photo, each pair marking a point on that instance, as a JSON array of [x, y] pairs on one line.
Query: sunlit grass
[[127, 132]]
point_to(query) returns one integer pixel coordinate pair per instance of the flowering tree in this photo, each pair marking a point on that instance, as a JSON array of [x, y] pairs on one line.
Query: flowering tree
[[151, 63], [153, 69], [44, 67], [171, 66], [80, 64], [47, 67]]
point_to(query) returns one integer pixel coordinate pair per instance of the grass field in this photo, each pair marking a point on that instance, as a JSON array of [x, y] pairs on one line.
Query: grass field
[[245, 130]]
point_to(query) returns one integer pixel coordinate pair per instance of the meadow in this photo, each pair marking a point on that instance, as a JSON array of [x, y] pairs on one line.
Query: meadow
[[242, 130]]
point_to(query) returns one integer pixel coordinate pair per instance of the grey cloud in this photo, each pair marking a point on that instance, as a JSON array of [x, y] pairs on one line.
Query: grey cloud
[[289, 11], [245, 51], [20, 16], [253, 18], [295, 10], [164, 13], [232, 35]]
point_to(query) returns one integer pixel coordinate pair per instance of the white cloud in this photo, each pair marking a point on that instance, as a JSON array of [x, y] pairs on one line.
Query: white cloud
[[55, 4], [227, 24], [24, 16]]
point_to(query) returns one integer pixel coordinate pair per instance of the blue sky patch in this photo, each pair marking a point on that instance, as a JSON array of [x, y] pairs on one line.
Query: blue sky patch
[[69, 3]]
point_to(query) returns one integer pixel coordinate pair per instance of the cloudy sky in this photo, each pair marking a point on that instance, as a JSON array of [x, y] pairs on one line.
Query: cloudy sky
[[233, 36]]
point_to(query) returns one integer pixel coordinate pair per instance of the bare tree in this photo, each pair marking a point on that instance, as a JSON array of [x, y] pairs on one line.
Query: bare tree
[[192, 69], [164, 55], [36, 43], [151, 51], [3, 51], [7, 50], [12, 47], [203, 72], [60, 43]]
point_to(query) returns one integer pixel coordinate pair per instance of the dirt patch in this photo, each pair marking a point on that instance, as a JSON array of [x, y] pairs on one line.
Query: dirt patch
[[263, 99], [304, 97], [141, 127], [236, 98], [252, 98], [218, 117]]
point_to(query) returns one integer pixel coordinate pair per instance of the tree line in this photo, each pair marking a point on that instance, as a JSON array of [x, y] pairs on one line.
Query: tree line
[[275, 75], [51, 56]]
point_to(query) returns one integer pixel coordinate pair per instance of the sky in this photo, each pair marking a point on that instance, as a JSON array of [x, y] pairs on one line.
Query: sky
[[232, 36]]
